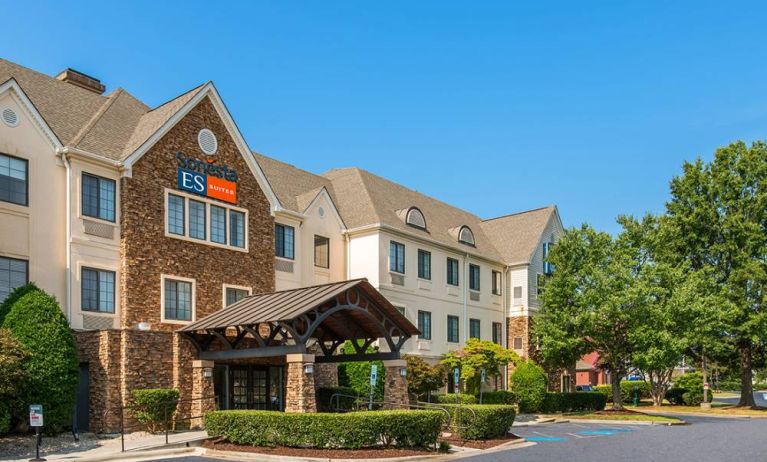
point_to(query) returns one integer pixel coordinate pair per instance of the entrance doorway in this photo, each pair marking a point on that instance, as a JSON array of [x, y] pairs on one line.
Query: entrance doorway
[[249, 387]]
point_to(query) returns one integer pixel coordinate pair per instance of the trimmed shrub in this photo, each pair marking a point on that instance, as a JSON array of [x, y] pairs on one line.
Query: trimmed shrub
[[573, 402], [37, 322], [675, 396], [151, 406], [690, 387], [15, 294], [352, 430], [498, 397], [528, 382], [627, 390], [341, 403], [5, 418], [481, 421], [454, 398]]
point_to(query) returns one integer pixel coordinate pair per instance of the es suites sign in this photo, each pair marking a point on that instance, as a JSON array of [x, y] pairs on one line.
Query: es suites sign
[[205, 178]]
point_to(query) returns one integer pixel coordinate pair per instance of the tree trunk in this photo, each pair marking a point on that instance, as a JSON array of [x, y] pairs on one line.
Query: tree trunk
[[746, 373], [616, 387], [659, 385]]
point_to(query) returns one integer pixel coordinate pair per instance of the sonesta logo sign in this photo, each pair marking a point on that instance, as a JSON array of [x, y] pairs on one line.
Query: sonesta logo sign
[[206, 178]]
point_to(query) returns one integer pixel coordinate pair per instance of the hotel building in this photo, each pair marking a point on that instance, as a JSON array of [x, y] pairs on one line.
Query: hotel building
[[154, 226]]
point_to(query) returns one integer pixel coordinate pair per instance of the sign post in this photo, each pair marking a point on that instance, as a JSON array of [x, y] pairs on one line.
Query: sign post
[[36, 420], [457, 379], [482, 380], [373, 380]]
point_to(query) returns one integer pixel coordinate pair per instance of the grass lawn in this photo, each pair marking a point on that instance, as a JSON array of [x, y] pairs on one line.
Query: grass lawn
[[633, 416], [717, 409]]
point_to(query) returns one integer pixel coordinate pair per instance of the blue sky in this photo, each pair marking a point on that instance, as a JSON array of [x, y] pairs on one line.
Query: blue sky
[[495, 107]]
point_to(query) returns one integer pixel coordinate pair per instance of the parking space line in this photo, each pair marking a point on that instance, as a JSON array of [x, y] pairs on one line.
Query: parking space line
[[543, 434]]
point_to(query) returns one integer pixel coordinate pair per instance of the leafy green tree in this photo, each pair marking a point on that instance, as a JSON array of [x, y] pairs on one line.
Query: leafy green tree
[[423, 378], [37, 322], [475, 356], [718, 219], [528, 382], [356, 374]]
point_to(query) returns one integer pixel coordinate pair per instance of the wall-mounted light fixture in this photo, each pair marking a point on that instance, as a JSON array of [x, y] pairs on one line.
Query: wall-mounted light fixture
[[144, 326], [309, 369], [403, 372], [207, 372]]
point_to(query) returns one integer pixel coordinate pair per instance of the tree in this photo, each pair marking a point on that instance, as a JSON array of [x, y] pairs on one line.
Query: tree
[[476, 356], [718, 218], [528, 382], [356, 374], [37, 322], [423, 378], [593, 302]]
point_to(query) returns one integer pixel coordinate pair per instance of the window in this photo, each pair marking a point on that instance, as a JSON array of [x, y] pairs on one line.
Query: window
[[196, 219], [321, 251], [473, 277], [466, 236], [176, 214], [497, 282], [284, 237], [517, 292], [401, 310], [98, 197], [517, 343], [452, 329], [236, 229], [424, 264], [474, 328], [540, 281], [397, 257], [415, 218], [498, 333], [548, 268], [217, 224], [235, 294], [452, 271], [13, 273], [178, 300], [98, 290], [13, 180], [424, 324]]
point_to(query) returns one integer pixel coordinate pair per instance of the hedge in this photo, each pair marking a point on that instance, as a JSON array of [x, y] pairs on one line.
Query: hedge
[[688, 390], [528, 382], [153, 405], [627, 390], [454, 398], [341, 403], [573, 402], [498, 397], [352, 430], [481, 421], [5, 418]]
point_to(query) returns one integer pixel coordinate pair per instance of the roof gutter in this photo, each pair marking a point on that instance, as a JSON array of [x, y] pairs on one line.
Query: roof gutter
[[70, 151]]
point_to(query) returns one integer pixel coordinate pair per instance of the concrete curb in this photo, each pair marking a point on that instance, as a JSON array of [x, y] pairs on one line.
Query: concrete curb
[[535, 422], [251, 456], [130, 456], [627, 422]]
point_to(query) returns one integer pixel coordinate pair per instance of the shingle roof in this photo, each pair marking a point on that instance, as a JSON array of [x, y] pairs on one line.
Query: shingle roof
[[295, 188], [516, 236]]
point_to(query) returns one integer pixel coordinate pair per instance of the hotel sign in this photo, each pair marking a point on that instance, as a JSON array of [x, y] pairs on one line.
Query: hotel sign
[[205, 178]]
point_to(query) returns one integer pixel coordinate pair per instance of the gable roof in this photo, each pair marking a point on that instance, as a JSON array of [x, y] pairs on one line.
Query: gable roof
[[517, 236], [295, 188]]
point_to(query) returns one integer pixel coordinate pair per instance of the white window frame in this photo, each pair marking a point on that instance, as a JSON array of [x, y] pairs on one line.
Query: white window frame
[[208, 202], [232, 286], [98, 267], [173, 277]]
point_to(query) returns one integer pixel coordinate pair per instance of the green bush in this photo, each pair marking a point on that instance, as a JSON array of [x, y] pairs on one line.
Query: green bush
[[151, 406], [5, 418], [356, 374], [627, 390], [498, 397], [573, 402], [481, 421], [454, 398], [528, 382], [730, 385], [37, 322], [352, 430], [690, 387], [341, 403], [675, 396], [15, 294]]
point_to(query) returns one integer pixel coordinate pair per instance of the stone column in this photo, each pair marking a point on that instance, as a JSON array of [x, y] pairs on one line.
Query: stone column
[[300, 387], [202, 387], [395, 385]]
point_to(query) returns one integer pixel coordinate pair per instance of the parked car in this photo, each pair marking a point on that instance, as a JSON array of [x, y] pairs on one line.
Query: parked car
[[584, 388]]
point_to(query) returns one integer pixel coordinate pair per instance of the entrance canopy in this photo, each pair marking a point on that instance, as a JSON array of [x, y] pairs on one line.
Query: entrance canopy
[[293, 321]]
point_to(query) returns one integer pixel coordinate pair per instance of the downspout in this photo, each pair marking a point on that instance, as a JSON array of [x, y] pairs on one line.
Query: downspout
[[506, 305], [348, 256], [465, 298], [68, 166]]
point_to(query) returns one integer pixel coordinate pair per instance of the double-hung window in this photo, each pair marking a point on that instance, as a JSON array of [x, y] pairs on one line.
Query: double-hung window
[[452, 329], [424, 264], [497, 282], [284, 241], [397, 257], [498, 333], [176, 221], [235, 294], [98, 290], [98, 197], [424, 324], [540, 282], [473, 277], [178, 301], [14, 180], [321, 252], [196, 219], [203, 220], [452, 271], [474, 328], [13, 273], [217, 224], [236, 229]]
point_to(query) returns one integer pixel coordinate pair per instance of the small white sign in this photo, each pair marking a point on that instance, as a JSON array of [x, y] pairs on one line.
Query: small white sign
[[35, 415]]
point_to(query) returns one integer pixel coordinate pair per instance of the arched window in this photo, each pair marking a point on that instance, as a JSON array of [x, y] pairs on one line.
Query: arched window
[[466, 236], [415, 218]]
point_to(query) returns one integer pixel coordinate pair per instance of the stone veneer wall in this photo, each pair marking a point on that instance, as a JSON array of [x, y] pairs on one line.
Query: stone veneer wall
[[522, 326]]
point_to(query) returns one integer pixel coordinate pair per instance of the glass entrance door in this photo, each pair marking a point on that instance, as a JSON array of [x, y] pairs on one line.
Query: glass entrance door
[[256, 387]]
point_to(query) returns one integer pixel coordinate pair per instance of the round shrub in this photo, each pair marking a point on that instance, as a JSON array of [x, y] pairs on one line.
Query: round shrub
[[352, 430], [36, 321], [690, 386], [151, 406], [15, 294], [455, 398], [675, 396], [528, 382], [481, 421]]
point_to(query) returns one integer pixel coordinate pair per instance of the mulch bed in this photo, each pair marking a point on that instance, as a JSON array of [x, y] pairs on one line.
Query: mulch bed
[[480, 444], [367, 453]]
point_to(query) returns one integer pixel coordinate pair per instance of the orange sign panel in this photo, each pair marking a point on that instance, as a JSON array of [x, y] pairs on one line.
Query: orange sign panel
[[222, 189]]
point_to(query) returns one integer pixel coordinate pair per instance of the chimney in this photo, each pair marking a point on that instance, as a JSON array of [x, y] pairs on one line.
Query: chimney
[[81, 80]]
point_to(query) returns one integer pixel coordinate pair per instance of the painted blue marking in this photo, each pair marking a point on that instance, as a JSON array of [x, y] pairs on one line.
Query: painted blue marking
[[597, 432], [616, 430], [544, 438]]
